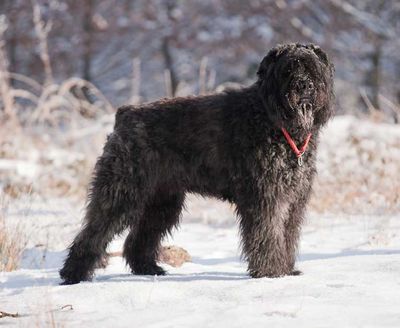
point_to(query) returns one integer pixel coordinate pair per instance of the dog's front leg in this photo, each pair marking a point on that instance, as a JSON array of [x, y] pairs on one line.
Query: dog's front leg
[[262, 223], [293, 225]]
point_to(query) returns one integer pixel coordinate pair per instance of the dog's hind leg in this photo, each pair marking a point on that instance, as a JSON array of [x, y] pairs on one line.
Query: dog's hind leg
[[141, 247], [88, 247], [110, 200]]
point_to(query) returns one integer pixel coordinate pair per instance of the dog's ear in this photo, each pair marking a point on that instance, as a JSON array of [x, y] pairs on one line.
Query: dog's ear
[[322, 56], [319, 52], [270, 59], [267, 60]]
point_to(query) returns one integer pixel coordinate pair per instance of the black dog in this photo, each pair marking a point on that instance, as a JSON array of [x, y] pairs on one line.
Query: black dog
[[238, 146]]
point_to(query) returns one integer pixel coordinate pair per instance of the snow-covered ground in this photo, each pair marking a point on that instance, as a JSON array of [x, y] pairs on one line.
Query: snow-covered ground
[[351, 278], [351, 263]]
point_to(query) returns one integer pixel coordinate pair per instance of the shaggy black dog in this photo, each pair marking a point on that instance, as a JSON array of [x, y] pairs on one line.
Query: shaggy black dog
[[238, 146]]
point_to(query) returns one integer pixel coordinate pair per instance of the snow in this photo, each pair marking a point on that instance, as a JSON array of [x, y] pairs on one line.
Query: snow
[[351, 262], [351, 277], [359, 160]]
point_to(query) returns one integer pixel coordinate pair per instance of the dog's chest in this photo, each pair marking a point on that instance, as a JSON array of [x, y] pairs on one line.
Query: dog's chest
[[280, 167]]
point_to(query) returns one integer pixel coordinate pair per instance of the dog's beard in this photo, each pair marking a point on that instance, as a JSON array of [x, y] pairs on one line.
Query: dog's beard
[[305, 115], [301, 111]]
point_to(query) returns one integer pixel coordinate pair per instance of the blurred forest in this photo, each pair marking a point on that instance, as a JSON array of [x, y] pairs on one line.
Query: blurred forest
[[129, 51]]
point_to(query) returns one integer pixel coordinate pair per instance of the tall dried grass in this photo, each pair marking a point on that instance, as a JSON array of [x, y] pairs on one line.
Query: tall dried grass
[[50, 103], [12, 243]]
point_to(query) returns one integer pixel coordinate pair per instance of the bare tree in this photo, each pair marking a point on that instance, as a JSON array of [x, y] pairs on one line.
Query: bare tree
[[166, 50], [87, 39], [42, 30], [98, 39]]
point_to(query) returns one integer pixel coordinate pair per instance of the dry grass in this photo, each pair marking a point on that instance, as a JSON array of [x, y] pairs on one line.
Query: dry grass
[[34, 156], [12, 244], [50, 103], [49, 164], [359, 169]]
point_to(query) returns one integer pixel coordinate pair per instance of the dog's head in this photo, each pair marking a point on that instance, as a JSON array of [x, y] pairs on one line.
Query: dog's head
[[296, 86]]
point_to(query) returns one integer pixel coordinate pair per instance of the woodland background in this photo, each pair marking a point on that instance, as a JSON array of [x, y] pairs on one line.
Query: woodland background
[[136, 50]]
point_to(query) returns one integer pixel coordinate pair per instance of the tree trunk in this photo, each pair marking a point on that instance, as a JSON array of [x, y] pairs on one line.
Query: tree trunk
[[87, 39], [376, 75], [169, 63], [12, 41]]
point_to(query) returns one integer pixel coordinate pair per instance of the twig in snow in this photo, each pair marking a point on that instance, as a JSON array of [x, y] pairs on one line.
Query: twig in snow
[[6, 314], [67, 307]]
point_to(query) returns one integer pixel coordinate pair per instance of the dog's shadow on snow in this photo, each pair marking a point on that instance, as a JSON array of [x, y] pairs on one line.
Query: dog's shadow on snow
[[186, 277], [175, 277], [230, 276], [47, 275]]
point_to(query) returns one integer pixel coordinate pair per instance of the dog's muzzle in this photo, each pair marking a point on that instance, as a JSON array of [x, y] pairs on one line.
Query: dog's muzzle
[[305, 112], [305, 104]]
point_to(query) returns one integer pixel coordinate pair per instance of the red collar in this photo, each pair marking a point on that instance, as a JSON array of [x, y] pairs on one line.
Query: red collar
[[299, 152]]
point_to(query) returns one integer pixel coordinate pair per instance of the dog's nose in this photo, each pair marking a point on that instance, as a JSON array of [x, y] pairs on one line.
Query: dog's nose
[[305, 85]]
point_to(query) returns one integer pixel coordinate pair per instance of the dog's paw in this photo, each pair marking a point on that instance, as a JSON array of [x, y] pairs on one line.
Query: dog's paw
[[73, 277], [296, 273], [266, 274], [69, 282], [75, 280], [149, 269]]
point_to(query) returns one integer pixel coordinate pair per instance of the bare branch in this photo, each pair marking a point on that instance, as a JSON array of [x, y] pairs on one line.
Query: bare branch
[[6, 314], [42, 30]]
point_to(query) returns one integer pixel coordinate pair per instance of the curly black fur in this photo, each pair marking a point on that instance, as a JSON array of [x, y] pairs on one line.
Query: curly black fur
[[229, 146]]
